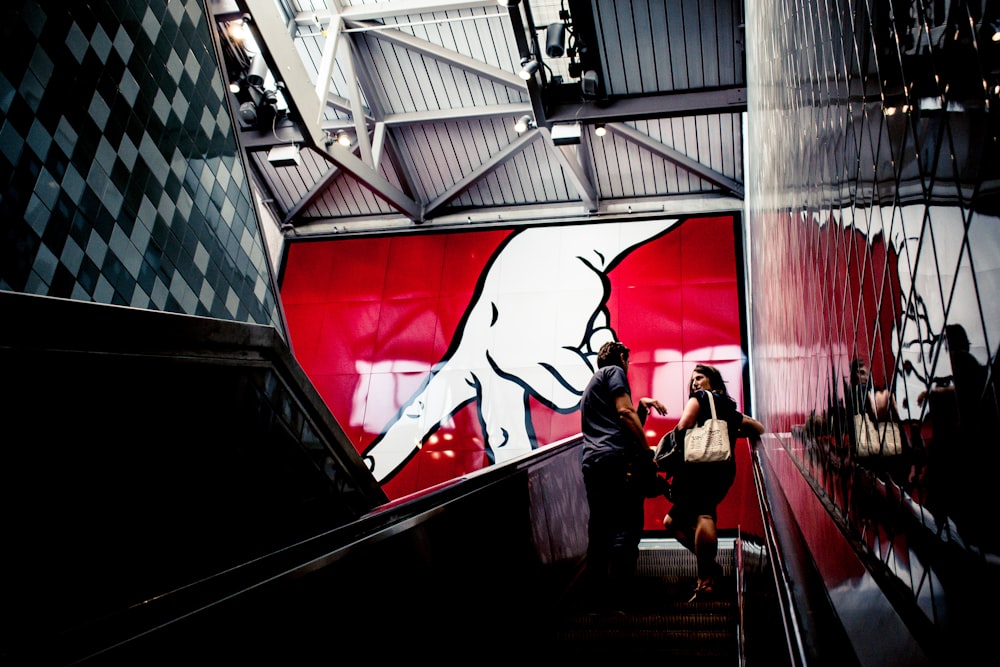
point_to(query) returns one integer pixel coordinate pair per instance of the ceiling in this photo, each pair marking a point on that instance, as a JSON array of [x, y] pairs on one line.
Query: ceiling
[[427, 95]]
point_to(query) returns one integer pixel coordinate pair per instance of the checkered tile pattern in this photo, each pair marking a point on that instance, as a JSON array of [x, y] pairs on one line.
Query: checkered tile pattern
[[120, 176]]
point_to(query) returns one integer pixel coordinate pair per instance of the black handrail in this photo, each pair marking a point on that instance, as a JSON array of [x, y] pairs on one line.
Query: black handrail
[[783, 584]]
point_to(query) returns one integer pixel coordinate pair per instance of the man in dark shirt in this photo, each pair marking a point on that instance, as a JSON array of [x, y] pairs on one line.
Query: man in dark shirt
[[613, 435]]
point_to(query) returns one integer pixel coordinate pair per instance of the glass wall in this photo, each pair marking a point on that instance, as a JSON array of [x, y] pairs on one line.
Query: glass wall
[[875, 251]]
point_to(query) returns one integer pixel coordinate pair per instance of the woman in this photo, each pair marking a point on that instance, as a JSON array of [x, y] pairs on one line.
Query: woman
[[697, 489]]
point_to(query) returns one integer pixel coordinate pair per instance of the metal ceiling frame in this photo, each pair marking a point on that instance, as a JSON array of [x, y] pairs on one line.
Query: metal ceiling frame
[[308, 122]]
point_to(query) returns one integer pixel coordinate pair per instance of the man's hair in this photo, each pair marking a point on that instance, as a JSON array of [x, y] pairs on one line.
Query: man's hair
[[612, 353], [715, 381]]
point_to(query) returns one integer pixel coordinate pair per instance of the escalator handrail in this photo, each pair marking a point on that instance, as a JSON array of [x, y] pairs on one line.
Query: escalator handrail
[[793, 631], [296, 560]]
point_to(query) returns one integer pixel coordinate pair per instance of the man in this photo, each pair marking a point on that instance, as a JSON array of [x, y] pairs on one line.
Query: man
[[612, 436]]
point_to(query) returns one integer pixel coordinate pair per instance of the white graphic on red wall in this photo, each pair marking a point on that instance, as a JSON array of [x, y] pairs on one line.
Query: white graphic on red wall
[[533, 330], [399, 333]]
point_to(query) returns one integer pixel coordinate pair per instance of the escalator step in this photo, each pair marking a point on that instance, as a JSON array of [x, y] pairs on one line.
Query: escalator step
[[656, 619]]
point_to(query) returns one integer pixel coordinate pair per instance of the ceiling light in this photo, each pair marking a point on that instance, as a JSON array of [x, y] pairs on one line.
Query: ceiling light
[[528, 68], [523, 123], [344, 139], [600, 130], [234, 87]]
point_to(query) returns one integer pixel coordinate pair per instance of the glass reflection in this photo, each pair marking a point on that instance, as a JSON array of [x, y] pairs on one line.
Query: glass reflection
[[873, 203]]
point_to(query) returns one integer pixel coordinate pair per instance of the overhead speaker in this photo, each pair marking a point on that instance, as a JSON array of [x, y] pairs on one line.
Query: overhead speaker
[[565, 133], [284, 156], [588, 83]]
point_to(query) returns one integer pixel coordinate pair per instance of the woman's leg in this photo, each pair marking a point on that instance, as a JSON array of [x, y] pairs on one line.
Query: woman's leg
[[706, 543], [679, 532], [706, 549]]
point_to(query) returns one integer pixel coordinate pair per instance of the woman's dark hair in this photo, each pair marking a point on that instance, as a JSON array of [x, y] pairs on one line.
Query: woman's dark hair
[[715, 380], [612, 353]]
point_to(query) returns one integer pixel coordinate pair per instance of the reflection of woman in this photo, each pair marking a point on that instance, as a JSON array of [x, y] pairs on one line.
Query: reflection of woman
[[893, 457], [698, 488]]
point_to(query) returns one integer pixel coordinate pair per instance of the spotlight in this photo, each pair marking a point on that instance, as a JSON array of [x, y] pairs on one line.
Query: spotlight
[[528, 68], [344, 139], [555, 35], [239, 30], [600, 130], [258, 70], [523, 123], [234, 87]]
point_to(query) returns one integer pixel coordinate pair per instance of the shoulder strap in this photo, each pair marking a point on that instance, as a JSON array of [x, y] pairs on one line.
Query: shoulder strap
[[711, 404]]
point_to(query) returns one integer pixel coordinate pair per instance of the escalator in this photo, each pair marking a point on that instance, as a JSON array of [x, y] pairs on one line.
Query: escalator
[[215, 512], [657, 620]]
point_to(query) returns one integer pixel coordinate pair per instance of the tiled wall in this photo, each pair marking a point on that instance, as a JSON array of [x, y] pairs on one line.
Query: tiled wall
[[120, 178], [873, 234]]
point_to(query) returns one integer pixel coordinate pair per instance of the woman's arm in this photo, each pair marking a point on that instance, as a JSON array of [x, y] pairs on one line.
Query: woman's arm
[[750, 426], [690, 415]]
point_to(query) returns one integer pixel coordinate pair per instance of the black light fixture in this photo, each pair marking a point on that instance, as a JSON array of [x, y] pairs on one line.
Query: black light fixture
[[344, 138], [528, 68], [555, 38], [600, 130], [248, 113]]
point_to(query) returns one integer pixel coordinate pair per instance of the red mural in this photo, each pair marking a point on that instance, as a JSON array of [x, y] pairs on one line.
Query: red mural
[[383, 327]]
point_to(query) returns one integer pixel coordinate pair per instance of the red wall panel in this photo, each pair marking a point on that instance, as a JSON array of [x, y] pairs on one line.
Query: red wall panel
[[506, 323]]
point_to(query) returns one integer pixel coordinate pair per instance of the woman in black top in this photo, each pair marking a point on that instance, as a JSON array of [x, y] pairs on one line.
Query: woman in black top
[[697, 489]]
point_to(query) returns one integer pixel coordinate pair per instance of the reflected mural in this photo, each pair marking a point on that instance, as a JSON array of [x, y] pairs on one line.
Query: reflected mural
[[873, 204]]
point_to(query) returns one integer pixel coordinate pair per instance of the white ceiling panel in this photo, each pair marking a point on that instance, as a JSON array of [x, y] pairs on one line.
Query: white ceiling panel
[[427, 94]]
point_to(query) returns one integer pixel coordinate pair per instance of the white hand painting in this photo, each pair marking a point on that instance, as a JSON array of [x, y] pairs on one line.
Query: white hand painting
[[533, 330]]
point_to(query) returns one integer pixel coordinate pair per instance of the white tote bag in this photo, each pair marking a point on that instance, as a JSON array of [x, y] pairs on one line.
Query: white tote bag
[[710, 441]]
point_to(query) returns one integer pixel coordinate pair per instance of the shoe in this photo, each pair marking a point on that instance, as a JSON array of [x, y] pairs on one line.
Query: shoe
[[704, 588]]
